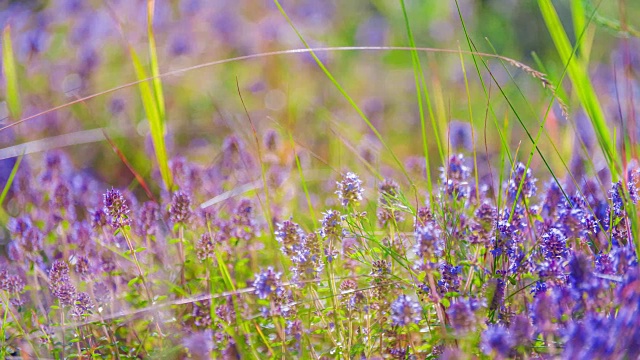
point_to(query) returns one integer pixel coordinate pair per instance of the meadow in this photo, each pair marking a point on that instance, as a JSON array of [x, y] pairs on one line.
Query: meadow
[[305, 179]]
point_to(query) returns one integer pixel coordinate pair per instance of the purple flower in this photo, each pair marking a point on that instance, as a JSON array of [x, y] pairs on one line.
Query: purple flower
[[268, 282], [146, 221], [244, 226], [388, 203], [462, 316], [428, 241], [460, 135], [350, 189], [405, 311], [289, 235], [331, 224], [205, 247], [180, 209], [115, 205], [99, 219], [200, 344], [60, 283], [497, 341], [522, 174], [450, 278], [554, 245], [82, 305]]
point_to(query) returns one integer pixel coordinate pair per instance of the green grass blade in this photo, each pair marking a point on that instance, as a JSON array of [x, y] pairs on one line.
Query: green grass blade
[[580, 78], [417, 71], [10, 74], [155, 69], [150, 104]]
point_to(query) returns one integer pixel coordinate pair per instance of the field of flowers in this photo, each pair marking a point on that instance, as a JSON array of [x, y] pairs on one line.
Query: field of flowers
[[306, 179]]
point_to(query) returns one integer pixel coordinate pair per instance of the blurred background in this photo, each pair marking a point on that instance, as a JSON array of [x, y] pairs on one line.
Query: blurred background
[[69, 49]]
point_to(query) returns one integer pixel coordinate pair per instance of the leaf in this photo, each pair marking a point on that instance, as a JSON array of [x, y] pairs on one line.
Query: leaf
[[155, 118]]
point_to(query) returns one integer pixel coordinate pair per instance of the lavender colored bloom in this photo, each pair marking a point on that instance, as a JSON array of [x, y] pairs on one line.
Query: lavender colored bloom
[[553, 198], [267, 282], [456, 170], [99, 219], [331, 224], [495, 293], [82, 305], [60, 283], [180, 209], [115, 206], [554, 244], [350, 190], [497, 341], [405, 311], [244, 226], [460, 135], [388, 203], [521, 330], [146, 221], [450, 278], [205, 247], [454, 178], [200, 344], [423, 216], [462, 316], [483, 230], [617, 197], [307, 259], [290, 236], [83, 266], [12, 284], [522, 174], [428, 241]]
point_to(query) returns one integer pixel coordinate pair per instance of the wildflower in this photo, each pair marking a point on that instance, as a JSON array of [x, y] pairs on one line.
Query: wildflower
[[82, 305], [423, 216], [60, 283], [12, 284], [497, 341], [267, 282], [146, 221], [82, 266], [205, 247], [201, 314], [450, 281], [460, 135], [388, 203], [244, 226], [522, 174], [380, 271], [307, 259], [495, 293], [180, 210], [115, 206], [483, 229], [454, 178], [521, 330], [350, 190], [331, 224], [99, 219], [553, 198], [200, 344], [290, 236], [405, 311], [428, 241], [462, 316], [554, 244]]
